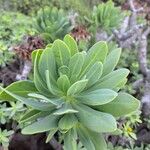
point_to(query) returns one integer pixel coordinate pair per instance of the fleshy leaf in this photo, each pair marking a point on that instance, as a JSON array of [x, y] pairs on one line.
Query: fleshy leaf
[[123, 104], [77, 87], [71, 44], [97, 97], [42, 125], [95, 120], [111, 61], [21, 88]]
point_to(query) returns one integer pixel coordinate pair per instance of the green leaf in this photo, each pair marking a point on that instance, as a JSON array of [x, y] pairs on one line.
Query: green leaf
[[38, 81], [71, 44], [97, 52], [47, 62], [31, 102], [64, 70], [50, 135], [75, 65], [123, 104], [52, 88], [111, 61], [95, 120], [65, 109], [77, 87], [70, 141], [94, 73], [98, 140], [21, 88], [45, 124], [61, 52], [32, 115], [84, 138], [112, 79], [63, 83], [67, 122], [97, 97]]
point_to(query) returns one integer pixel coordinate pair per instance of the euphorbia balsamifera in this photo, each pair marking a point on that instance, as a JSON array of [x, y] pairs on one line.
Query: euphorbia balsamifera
[[74, 93]]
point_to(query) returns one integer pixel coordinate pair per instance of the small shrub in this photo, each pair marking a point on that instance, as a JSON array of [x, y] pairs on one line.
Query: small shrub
[[74, 93]]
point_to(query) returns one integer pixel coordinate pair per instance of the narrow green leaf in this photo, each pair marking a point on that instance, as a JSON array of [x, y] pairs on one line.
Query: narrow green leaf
[[97, 97], [61, 52], [64, 70], [75, 65], [112, 79], [65, 109], [94, 73], [52, 88], [47, 62], [97, 52], [63, 83], [67, 122], [71, 44], [84, 138], [98, 140], [50, 135], [38, 81], [69, 141], [123, 104], [21, 88], [111, 61], [95, 120], [33, 115], [42, 125], [31, 102], [77, 87]]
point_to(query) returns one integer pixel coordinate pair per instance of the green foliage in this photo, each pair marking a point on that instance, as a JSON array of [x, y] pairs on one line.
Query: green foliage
[[107, 16], [12, 28], [74, 93], [52, 23], [4, 137]]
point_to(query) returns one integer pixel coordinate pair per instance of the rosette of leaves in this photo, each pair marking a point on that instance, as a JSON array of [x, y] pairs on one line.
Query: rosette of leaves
[[107, 16], [74, 93], [52, 23]]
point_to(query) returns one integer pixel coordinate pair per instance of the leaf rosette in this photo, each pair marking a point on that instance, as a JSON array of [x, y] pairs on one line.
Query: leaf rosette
[[75, 93]]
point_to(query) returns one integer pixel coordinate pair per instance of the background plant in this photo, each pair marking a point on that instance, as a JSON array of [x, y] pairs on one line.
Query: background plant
[[52, 23]]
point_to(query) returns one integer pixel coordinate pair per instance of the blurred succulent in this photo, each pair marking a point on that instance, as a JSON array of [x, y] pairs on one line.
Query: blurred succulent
[[52, 23], [3, 114], [4, 137], [107, 16], [15, 110], [74, 93]]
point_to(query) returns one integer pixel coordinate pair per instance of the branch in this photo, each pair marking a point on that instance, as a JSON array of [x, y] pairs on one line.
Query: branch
[[25, 72]]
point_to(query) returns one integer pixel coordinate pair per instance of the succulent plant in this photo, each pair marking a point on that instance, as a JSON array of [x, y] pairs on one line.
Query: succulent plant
[[107, 16], [52, 23], [74, 93]]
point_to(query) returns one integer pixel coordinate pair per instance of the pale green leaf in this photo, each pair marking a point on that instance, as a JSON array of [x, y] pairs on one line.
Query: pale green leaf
[[122, 105], [65, 109], [67, 122], [77, 87], [95, 120], [61, 52], [111, 61], [45, 124], [71, 44], [94, 73], [97, 97], [63, 83], [21, 88]]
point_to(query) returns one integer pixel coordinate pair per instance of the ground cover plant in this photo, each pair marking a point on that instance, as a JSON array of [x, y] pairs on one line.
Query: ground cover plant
[[74, 75]]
